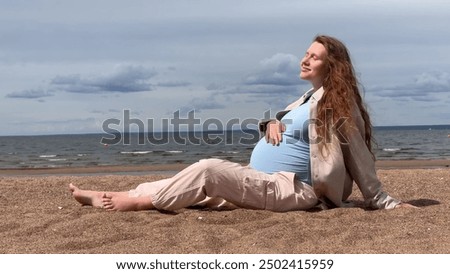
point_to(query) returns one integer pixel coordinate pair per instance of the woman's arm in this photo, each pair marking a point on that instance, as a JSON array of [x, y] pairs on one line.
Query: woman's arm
[[360, 163]]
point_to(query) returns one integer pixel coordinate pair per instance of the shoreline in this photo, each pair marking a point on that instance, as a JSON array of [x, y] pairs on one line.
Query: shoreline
[[173, 168], [95, 170]]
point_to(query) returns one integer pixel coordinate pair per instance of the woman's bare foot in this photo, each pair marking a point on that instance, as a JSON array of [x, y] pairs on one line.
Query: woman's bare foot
[[118, 201], [121, 202], [87, 197]]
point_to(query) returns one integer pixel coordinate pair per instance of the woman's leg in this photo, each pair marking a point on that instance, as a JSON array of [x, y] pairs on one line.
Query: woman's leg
[[214, 178], [119, 201], [237, 184], [207, 183], [240, 185]]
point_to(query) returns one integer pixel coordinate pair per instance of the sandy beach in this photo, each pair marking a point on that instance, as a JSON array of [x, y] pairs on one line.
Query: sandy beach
[[39, 216]]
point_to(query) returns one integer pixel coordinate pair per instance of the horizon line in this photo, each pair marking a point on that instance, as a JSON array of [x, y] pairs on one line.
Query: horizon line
[[200, 131]]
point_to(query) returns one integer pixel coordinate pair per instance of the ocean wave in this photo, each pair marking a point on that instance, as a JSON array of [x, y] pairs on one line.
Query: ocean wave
[[48, 156], [57, 160], [168, 151], [392, 149], [77, 150], [136, 152]]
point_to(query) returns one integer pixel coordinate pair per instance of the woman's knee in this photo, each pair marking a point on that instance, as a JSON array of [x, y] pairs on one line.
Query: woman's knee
[[210, 164]]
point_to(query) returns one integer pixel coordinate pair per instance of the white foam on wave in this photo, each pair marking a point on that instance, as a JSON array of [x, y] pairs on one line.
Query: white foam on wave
[[230, 152], [391, 149], [47, 156], [57, 160], [136, 152]]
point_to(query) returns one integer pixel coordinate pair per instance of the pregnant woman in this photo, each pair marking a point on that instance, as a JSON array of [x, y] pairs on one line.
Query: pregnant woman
[[311, 155]]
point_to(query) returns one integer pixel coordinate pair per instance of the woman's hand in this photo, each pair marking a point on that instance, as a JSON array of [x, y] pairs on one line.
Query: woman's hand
[[405, 205], [274, 132]]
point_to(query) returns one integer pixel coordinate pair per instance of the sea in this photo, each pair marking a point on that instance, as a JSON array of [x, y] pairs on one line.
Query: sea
[[129, 149]]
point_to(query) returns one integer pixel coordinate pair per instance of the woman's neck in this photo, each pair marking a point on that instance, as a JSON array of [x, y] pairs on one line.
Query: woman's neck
[[316, 87], [317, 84]]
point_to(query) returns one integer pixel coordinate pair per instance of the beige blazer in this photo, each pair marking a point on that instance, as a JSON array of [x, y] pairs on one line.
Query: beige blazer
[[346, 161]]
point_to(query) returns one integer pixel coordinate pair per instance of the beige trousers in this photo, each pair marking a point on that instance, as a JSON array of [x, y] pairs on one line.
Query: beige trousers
[[214, 181]]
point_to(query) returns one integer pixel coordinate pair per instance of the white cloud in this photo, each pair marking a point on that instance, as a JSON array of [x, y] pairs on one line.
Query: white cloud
[[436, 81], [280, 69]]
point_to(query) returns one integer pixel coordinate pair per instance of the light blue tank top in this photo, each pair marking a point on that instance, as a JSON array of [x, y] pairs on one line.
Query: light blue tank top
[[292, 154]]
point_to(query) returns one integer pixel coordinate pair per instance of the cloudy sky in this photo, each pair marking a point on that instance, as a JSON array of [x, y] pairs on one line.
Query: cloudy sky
[[68, 66]]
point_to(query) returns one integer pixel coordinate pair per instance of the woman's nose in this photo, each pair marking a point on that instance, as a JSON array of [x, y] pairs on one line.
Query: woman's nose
[[304, 61]]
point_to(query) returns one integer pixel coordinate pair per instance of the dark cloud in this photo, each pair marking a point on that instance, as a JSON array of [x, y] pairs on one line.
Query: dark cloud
[[174, 84], [215, 86], [124, 79], [208, 103], [30, 94], [424, 87]]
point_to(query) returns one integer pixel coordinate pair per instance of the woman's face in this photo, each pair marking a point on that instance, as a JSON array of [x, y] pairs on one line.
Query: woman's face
[[313, 65]]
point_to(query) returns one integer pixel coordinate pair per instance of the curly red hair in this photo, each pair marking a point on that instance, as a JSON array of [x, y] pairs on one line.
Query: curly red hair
[[341, 89]]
